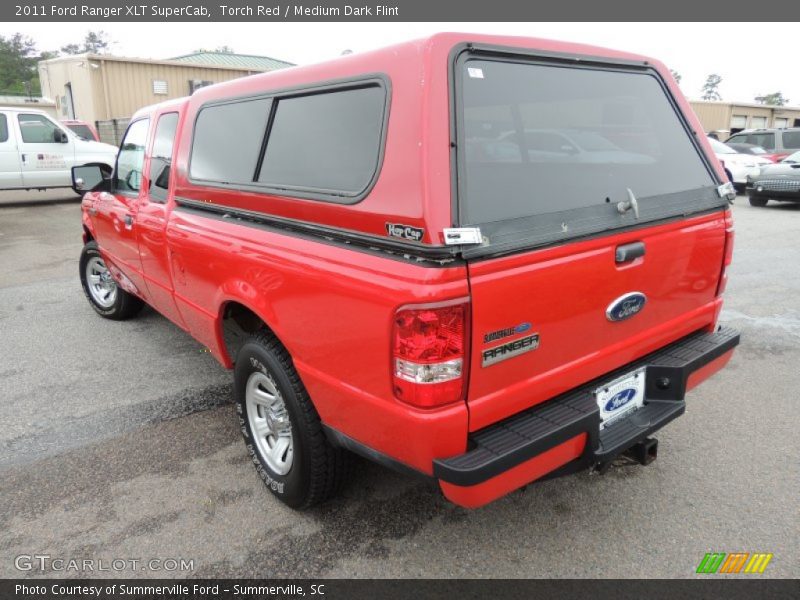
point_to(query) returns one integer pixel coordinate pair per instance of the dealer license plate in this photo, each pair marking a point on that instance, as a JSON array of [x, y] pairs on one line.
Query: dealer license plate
[[620, 397]]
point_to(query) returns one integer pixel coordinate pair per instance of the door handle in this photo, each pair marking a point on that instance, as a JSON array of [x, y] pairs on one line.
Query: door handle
[[128, 222], [629, 252]]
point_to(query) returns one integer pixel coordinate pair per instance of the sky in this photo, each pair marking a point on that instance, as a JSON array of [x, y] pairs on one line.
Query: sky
[[694, 50]]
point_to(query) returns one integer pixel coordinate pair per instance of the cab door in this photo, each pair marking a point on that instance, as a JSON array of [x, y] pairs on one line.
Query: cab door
[[151, 219], [46, 152], [10, 174], [115, 211]]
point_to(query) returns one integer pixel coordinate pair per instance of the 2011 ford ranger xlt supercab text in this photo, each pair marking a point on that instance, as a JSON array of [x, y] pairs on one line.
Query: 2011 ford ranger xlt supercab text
[[486, 260]]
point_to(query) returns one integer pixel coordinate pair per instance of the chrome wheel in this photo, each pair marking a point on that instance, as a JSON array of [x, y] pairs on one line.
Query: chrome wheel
[[269, 422], [102, 286]]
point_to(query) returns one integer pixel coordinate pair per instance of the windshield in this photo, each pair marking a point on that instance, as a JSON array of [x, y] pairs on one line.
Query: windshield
[[720, 148], [551, 140]]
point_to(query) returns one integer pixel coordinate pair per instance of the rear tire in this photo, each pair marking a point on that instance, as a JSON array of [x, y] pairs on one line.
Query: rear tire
[[758, 201], [273, 406], [105, 296]]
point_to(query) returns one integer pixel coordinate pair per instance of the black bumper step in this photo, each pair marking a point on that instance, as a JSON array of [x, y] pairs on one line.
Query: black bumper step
[[510, 442]]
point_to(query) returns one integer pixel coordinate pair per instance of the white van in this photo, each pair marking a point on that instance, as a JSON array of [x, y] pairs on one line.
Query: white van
[[37, 152]]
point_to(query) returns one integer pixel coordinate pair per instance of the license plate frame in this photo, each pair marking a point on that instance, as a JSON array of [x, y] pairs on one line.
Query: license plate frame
[[621, 396]]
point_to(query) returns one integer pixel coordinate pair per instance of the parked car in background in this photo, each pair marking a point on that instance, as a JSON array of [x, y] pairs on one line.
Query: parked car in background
[[37, 152], [776, 182], [738, 166], [779, 143], [742, 148], [83, 130]]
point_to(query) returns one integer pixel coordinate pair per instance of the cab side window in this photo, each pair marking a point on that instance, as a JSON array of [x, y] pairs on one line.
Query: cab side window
[[161, 156], [37, 129], [131, 157], [3, 129]]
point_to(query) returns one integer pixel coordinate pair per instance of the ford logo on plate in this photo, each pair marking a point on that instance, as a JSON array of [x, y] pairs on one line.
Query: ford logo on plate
[[626, 306], [620, 399]]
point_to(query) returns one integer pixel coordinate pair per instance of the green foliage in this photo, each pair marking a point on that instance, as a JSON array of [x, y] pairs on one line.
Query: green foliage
[[711, 87], [18, 60], [95, 42], [773, 99]]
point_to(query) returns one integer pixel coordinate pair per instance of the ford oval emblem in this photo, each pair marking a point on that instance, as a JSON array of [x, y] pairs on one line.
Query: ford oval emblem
[[620, 399], [522, 328], [626, 306]]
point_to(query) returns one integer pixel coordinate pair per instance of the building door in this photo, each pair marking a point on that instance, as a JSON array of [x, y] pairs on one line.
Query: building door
[[69, 101]]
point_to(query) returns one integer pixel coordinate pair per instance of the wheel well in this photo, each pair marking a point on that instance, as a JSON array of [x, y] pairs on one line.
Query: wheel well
[[238, 323], [87, 235]]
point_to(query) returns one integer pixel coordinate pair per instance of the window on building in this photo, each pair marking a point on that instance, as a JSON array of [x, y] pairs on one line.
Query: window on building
[[758, 122], [160, 87], [227, 141], [738, 122], [37, 129], [327, 142], [131, 157], [161, 156], [781, 122]]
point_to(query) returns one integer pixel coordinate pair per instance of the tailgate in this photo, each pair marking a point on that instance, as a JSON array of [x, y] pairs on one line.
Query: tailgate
[[601, 219], [539, 319]]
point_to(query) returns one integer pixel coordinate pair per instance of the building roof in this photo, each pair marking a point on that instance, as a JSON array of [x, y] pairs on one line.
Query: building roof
[[228, 59], [746, 104]]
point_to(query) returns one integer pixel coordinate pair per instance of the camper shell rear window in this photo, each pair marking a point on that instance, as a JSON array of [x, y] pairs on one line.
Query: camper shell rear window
[[546, 149]]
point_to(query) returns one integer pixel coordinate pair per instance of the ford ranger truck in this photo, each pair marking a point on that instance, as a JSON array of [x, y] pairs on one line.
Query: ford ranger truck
[[482, 260]]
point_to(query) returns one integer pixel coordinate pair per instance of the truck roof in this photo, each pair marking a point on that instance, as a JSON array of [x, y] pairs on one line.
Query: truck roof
[[24, 109]]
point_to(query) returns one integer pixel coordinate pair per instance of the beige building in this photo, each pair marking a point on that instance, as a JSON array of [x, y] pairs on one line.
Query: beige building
[[726, 118], [106, 90]]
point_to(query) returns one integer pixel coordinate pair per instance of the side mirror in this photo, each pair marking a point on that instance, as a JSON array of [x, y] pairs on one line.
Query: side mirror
[[89, 178], [59, 137]]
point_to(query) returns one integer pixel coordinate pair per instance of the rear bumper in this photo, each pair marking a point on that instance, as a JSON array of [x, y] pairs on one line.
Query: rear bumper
[[563, 435]]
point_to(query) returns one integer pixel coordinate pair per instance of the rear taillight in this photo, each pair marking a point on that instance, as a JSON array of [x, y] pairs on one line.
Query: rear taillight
[[429, 352], [728, 256]]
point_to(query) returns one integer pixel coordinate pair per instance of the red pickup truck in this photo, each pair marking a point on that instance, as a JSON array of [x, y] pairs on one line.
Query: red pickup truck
[[484, 260]]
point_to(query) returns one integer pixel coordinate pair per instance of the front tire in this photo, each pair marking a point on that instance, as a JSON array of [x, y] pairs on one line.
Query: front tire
[[758, 201], [281, 428], [105, 296]]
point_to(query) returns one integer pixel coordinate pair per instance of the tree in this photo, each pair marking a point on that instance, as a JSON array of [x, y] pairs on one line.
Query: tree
[[676, 75], [773, 99], [711, 88], [219, 49], [18, 74], [95, 42]]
